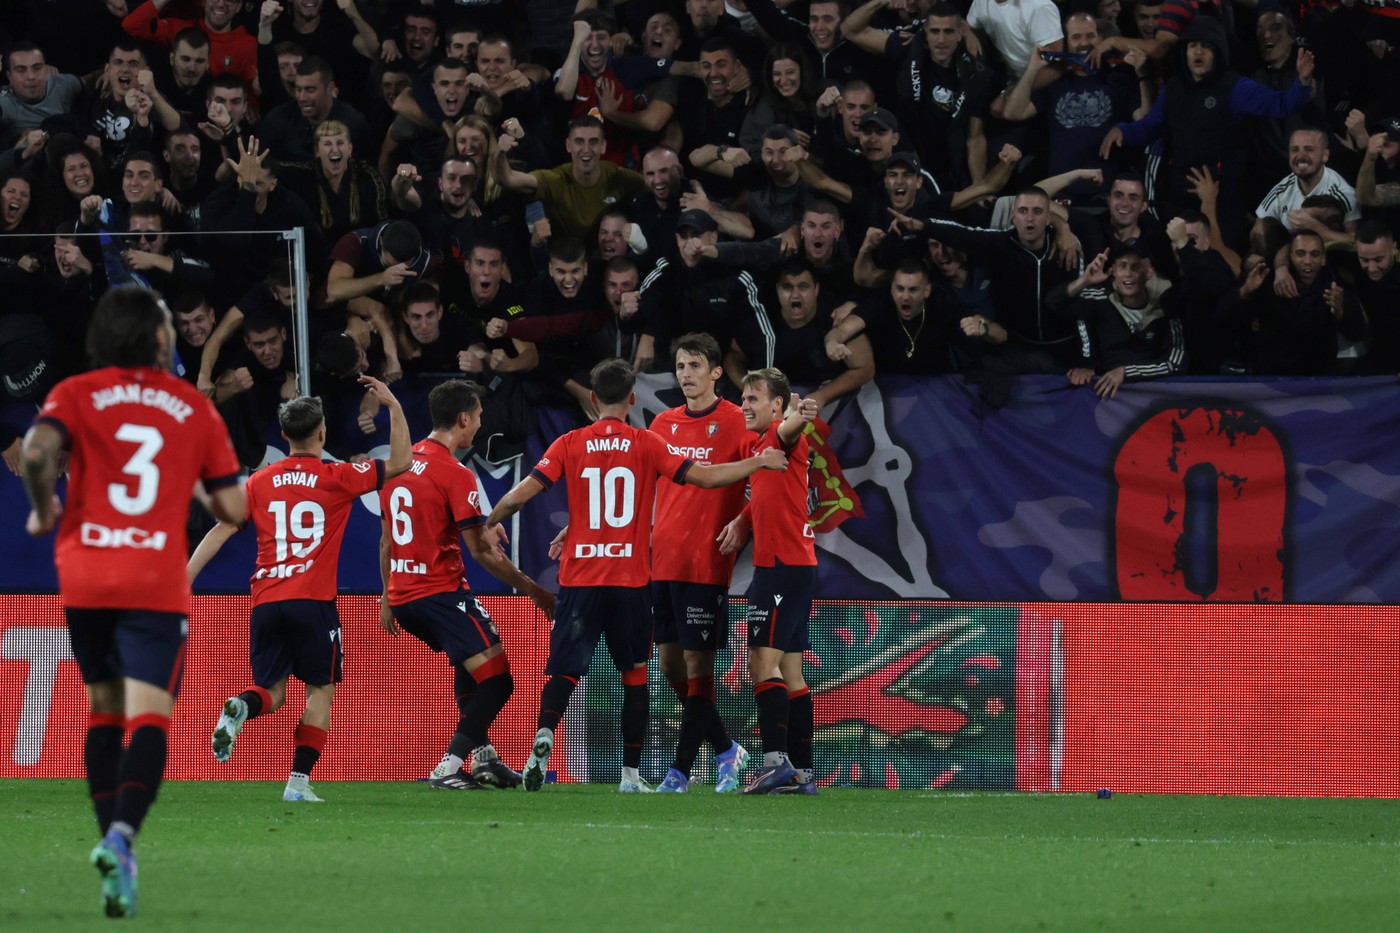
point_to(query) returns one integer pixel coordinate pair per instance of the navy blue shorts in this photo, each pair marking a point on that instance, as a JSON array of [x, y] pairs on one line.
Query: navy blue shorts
[[621, 614], [780, 603], [296, 636], [454, 623], [694, 614], [136, 643]]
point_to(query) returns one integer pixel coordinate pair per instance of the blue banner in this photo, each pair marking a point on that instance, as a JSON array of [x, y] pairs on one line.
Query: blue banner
[[1190, 490]]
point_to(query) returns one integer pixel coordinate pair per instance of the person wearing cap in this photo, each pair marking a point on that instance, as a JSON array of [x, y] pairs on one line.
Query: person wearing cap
[[688, 294], [940, 90], [1129, 330], [904, 191]]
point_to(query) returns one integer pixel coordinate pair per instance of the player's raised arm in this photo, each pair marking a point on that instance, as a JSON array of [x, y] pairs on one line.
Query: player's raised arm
[[400, 442], [710, 475], [801, 412], [208, 547], [514, 501]]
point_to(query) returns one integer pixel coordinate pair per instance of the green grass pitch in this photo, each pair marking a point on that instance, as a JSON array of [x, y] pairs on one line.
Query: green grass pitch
[[400, 856]]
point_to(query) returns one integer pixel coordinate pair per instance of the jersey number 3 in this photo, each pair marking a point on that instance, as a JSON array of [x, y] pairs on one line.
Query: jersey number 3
[[142, 466]]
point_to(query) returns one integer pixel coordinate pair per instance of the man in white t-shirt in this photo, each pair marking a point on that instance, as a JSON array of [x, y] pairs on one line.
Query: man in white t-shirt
[[1017, 27], [1307, 157]]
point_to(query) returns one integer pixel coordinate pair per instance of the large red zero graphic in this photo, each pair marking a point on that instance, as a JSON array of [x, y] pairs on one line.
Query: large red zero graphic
[[1251, 495]]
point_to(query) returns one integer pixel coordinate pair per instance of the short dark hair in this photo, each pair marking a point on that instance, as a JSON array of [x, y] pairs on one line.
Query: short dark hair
[[1373, 229], [781, 131], [337, 355], [141, 155], [401, 240], [1033, 191], [1193, 216], [822, 206], [499, 38], [146, 209], [773, 379], [719, 44], [229, 81], [123, 328], [450, 399], [699, 343], [450, 64], [566, 249], [300, 417], [942, 9], [583, 122], [612, 381], [597, 19], [17, 46], [279, 271], [188, 300], [792, 268], [419, 292], [621, 264], [315, 65], [192, 36], [912, 265], [261, 320]]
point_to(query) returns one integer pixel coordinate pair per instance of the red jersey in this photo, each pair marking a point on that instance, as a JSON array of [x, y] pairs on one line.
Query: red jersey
[[139, 440], [610, 469], [299, 506], [778, 507], [427, 507], [689, 518], [233, 52]]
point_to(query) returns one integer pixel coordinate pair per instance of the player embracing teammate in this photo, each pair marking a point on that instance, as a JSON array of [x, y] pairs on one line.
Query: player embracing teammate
[[784, 581], [610, 469]]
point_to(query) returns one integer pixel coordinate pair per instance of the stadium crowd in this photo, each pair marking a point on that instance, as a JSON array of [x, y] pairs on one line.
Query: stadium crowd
[[513, 191]]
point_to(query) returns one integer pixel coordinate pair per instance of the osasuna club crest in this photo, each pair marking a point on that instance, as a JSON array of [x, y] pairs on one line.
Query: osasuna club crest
[[711, 428]]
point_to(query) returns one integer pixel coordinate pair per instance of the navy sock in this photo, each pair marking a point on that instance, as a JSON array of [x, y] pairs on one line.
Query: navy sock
[[554, 700], [770, 696], [102, 755], [463, 688], [635, 702], [142, 766], [490, 698], [688, 742], [257, 700]]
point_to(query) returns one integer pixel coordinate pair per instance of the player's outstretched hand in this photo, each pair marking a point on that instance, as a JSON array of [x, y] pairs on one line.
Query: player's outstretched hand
[[40, 525], [808, 408], [544, 599], [386, 617], [733, 537], [556, 547], [498, 539]]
